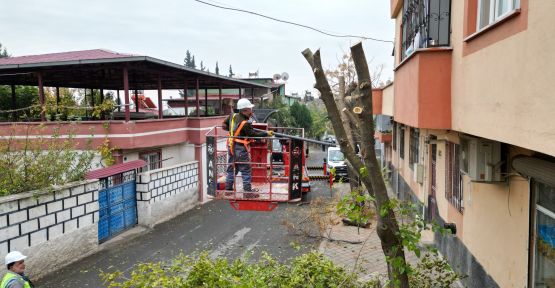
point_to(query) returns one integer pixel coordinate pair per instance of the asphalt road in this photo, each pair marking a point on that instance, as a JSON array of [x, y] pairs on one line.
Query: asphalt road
[[215, 227]]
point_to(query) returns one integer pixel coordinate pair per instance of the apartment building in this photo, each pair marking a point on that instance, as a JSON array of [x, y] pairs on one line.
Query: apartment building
[[474, 132]]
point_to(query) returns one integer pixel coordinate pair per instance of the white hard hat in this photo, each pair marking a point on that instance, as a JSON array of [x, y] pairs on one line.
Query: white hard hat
[[244, 103], [14, 256]]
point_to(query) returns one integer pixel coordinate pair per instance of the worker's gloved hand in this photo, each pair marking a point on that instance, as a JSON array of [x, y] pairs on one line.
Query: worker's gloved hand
[[270, 133]]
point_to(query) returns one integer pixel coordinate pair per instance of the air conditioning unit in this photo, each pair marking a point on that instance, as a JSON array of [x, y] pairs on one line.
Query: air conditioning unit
[[480, 159], [418, 173]]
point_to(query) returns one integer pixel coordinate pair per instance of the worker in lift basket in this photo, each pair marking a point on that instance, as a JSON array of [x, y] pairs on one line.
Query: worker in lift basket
[[239, 125]]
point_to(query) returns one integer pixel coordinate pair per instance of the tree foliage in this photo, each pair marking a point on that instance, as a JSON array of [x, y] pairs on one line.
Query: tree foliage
[[188, 61], [283, 117], [308, 270], [25, 97], [320, 121], [230, 72], [301, 116], [3, 52], [217, 70], [30, 164]]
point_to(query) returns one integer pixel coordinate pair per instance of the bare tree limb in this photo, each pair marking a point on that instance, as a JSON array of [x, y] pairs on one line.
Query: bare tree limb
[[388, 228], [368, 169]]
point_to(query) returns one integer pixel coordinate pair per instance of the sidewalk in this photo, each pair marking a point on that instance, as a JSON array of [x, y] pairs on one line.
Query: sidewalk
[[365, 259]]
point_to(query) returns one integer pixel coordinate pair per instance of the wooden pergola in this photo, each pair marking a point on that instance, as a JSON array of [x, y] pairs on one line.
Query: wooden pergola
[[102, 69]]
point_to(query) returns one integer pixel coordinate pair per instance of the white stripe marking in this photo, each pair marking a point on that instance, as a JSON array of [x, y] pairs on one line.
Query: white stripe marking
[[238, 236]]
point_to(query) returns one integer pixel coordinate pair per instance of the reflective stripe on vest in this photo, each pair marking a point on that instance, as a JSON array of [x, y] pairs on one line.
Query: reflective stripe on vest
[[9, 277]]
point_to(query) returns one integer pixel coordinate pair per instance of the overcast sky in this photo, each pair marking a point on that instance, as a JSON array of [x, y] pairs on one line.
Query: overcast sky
[[166, 29]]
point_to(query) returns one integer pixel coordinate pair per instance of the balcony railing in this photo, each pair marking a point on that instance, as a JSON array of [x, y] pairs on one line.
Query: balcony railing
[[425, 23]]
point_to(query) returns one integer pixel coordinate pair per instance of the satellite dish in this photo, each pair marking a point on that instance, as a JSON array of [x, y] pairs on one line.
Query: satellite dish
[[284, 76], [276, 77]]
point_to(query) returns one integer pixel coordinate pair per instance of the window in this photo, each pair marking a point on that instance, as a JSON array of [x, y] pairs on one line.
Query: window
[[544, 236], [490, 11], [414, 145], [453, 177], [402, 142], [425, 23], [153, 159]]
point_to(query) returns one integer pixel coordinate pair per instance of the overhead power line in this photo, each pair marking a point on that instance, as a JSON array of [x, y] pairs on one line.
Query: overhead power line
[[295, 24]]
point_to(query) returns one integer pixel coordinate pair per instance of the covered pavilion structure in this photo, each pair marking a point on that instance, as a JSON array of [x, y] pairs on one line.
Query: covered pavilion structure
[[106, 70]]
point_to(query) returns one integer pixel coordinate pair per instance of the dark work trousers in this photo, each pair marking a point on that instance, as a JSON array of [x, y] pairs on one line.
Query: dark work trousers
[[241, 155]]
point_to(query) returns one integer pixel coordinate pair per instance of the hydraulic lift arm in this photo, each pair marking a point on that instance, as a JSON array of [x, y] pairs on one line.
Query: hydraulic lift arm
[[299, 138]]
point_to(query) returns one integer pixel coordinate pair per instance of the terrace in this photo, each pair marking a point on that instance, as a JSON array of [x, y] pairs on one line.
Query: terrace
[[132, 126], [116, 72]]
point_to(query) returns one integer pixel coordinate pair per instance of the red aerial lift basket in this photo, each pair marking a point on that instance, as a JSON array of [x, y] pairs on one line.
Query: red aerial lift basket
[[277, 166]]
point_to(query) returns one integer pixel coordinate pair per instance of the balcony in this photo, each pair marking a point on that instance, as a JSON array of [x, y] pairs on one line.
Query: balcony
[[383, 137], [425, 24], [122, 134], [423, 89], [422, 85]]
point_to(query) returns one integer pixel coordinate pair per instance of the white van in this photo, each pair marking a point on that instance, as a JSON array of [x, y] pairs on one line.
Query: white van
[[336, 160]]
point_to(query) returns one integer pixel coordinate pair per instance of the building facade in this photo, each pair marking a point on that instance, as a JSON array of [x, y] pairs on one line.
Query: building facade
[[473, 140]]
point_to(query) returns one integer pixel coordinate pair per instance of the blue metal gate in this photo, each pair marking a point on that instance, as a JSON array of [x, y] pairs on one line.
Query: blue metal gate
[[117, 204]]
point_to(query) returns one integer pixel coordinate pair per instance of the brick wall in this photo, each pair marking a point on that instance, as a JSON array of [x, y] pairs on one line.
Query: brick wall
[[167, 192], [30, 221]]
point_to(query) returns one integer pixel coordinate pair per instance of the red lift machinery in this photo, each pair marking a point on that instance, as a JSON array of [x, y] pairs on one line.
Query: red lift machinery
[[283, 181]]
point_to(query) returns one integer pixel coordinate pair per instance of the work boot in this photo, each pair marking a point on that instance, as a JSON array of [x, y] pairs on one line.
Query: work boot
[[251, 195], [229, 191]]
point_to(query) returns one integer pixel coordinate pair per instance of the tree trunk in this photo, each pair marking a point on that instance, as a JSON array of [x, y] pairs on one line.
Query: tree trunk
[[340, 103], [369, 171]]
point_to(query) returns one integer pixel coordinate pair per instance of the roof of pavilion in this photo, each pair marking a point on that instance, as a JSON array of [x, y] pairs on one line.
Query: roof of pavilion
[[103, 69]]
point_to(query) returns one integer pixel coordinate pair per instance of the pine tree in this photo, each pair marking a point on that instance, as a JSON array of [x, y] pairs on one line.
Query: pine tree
[[202, 68], [188, 60], [3, 52], [217, 69], [230, 71], [193, 65]]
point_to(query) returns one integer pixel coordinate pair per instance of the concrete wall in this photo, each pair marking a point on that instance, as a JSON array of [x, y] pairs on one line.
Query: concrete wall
[[52, 228], [388, 100], [502, 84], [403, 167], [491, 244], [180, 153], [175, 154], [166, 192]]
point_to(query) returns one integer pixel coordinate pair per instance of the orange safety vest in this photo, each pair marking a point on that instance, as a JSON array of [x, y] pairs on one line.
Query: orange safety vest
[[236, 133]]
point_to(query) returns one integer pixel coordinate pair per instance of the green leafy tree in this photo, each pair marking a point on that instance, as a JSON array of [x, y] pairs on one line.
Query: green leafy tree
[[283, 117], [193, 64], [320, 121], [301, 115], [26, 96], [38, 163], [217, 69]]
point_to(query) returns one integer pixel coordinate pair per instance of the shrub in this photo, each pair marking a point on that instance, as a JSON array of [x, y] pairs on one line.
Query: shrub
[[308, 270], [41, 162]]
